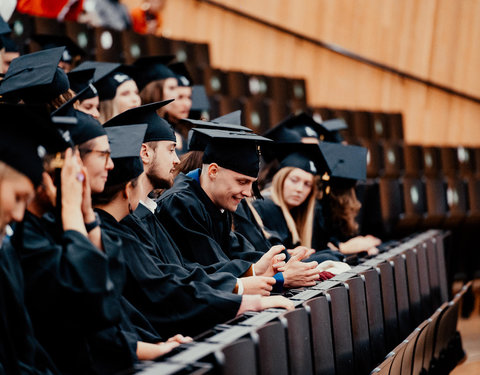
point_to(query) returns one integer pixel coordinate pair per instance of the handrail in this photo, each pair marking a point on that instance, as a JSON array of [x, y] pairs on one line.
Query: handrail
[[344, 52]]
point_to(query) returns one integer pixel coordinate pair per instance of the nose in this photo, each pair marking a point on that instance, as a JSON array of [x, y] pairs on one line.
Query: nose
[[110, 164], [95, 113], [176, 160]]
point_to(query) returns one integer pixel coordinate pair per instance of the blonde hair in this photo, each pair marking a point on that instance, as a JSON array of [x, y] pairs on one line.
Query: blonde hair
[[299, 219], [105, 109], [60, 100]]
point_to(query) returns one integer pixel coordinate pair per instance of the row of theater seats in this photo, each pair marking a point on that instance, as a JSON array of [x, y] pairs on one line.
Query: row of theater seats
[[349, 324]]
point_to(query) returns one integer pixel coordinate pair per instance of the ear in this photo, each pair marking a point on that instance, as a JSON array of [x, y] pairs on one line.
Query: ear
[[213, 170], [126, 191], [146, 153]]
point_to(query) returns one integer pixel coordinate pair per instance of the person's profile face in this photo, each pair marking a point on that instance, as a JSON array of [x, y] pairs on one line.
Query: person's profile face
[[170, 89], [162, 167], [229, 188], [90, 106], [126, 97], [98, 162], [297, 187], [16, 191], [180, 107]]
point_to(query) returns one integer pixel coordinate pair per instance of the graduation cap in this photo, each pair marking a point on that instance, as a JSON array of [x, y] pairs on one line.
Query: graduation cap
[[80, 80], [26, 135], [125, 143], [4, 28], [8, 44], [234, 150], [48, 41], [333, 127], [344, 162], [200, 102], [152, 68], [111, 78], [35, 77], [101, 68], [87, 127], [306, 156], [234, 118], [158, 128], [183, 76]]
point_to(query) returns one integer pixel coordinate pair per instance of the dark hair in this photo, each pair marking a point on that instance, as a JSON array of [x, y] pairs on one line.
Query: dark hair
[[110, 192], [189, 161]]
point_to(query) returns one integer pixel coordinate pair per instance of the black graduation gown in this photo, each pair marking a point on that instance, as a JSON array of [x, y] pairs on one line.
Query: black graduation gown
[[201, 231], [20, 352], [245, 224], [172, 304], [324, 228], [274, 221], [72, 300], [148, 227], [166, 255]]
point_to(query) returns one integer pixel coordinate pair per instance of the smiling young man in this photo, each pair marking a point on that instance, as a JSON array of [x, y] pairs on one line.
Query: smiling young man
[[196, 211]]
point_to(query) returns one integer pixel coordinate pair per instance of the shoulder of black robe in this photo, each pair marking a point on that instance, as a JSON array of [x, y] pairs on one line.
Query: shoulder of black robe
[[200, 230], [71, 298], [274, 221], [143, 216], [20, 351], [245, 224], [171, 305], [160, 243]]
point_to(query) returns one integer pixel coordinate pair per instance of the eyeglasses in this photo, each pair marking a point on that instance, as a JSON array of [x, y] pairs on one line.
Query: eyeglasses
[[105, 153]]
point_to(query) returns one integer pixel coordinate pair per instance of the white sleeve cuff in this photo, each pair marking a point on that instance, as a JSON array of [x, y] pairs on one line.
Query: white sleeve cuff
[[240, 287], [253, 270]]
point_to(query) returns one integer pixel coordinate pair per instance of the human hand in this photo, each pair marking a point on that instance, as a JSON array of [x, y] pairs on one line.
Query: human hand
[[297, 273], [295, 251], [258, 285], [266, 265]]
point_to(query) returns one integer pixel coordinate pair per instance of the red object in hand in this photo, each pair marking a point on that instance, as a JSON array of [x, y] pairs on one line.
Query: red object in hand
[[325, 275]]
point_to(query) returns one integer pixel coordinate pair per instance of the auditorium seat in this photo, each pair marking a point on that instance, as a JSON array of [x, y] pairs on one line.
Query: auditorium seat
[[182, 50], [278, 110], [412, 159], [201, 54], [384, 367], [299, 345], [297, 92], [363, 362], [473, 186], [257, 85], [50, 26], [430, 336], [108, 45], [432, 166], [389, 304], [271, 344], [360, 124], [419, 351], [221, 105], [448, 350], [449, 161], [457, 201], [397, 361], [22, 29], [157, 45], [237, 84], [410, 348], [405, 322], [375, 157], [215, 81], [134, 46], [237, 358], [277, 88], [321, 333], [256, 114], [417, 315], [395, 126], [342, 330], [376, 327], [436, 197], [379, 128], [83, 35], [427, 307], [393, 158]]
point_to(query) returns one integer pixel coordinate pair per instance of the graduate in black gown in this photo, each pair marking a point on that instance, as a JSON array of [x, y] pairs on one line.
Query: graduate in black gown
[[196, 211], [159, 159], [289, 210], [21, 136], [74, 281], [171, 302]]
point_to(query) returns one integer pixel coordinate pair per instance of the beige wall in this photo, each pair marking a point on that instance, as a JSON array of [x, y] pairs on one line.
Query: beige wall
[[436, 40]]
